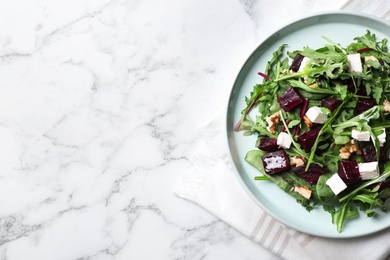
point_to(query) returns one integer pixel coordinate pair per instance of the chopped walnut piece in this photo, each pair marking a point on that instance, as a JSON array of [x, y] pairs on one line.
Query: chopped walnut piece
[[307, 121], [386, 106], [349, 148], [344, 154], [297, 161], [272, 122], [369, 58], [303, 190]]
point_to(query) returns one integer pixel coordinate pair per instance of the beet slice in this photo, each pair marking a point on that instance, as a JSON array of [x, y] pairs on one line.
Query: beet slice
[[331, 103], [350, 86], [275, 162], [268, 144], [360, 90], [369, 154], [290, 99], [349, 172], [296, 63], [312, 174], [364, 104], [307, 139], [384, 185]]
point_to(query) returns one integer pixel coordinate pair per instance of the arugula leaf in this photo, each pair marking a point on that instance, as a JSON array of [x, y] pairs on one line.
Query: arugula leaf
[[369, 40], [317, 90], [344, 213], [325, 193]]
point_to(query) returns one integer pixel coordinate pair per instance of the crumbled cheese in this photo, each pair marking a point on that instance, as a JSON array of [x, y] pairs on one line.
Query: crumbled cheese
[[303, 63], [303, 190], [315, 115], [272, 121], [361, 136], [336, 184], [284, 140], [369, 170], [355, 64], [382, 138]]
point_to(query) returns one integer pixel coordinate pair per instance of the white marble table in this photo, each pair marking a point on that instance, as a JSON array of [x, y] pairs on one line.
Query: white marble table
[[100, 103]]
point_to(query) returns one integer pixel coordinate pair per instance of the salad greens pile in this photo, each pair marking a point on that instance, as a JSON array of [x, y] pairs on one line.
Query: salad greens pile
[[346, 99]]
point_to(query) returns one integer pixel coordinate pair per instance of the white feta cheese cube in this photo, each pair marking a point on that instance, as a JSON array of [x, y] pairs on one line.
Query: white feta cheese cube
[[336, 184], [316, 115], [361, 136], [355, 63], [369, 170], [382, 138], [284, 140], [303, 63]]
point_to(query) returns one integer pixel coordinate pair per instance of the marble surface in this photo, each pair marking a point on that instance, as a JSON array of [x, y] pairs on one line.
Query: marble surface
[[100, 106]]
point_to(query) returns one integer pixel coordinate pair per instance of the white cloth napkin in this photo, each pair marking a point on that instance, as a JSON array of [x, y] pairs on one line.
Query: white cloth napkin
[[212, 184]]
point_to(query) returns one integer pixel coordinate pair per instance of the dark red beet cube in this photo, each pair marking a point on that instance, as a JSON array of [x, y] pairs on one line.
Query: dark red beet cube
[[349, 172], [362, 91], [296, 63], [268, 144], [331, 103], [312, 174], [369, 154], [384, 185], [275, 162], [351, 86], [290, 99], [359, 90], [364, 104], [307, 139]]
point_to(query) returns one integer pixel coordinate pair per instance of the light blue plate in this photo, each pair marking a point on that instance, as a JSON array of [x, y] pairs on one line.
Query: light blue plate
[[341, 27]]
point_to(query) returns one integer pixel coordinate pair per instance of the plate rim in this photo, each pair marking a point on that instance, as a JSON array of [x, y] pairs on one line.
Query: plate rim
[[226, 125]]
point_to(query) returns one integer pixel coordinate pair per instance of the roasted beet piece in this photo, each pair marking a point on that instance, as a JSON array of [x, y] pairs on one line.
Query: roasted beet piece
[[296, 63], [359, 89], [307, 139], [290, 99], [384, 185], [268, 144], [364, 104], [362, 91], [312, 174], [275, 162], [351, 87], [331, 103], [369, 154], [349, 172]]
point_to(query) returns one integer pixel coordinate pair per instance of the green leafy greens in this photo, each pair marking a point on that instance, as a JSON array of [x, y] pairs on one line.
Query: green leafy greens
[[362, 105]]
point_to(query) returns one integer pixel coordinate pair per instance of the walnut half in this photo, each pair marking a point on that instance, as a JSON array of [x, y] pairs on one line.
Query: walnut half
[[297, 161], [303, 190], [272, 121], [307, 121], [349, 148]]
